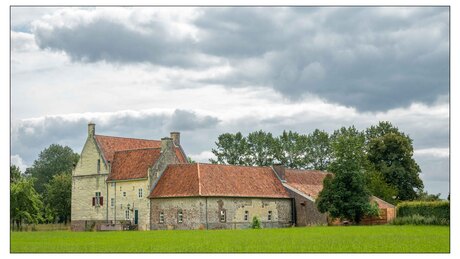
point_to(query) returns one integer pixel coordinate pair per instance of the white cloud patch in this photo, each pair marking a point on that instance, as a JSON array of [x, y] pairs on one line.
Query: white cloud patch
[[17, 161], [434, 152]]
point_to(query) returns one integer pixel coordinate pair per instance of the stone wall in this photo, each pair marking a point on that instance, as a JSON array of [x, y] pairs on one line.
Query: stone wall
[[306, 212], [117, 212], [204, 212], [86, 181]]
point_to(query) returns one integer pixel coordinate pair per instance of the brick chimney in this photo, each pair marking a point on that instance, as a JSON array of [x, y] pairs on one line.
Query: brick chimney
[[280, 171], [167, 145], [176, 138], [91, 129]]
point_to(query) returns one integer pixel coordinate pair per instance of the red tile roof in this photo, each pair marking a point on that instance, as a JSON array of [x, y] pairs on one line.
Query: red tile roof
[[382, 204], [109, 145], [309, 182], [133, 164], [186, 180]]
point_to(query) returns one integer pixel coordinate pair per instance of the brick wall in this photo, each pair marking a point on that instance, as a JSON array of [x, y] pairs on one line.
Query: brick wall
[[306, 211]]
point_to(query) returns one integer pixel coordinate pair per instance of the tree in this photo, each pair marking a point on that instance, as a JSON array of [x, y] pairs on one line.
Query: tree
[[318, 150], [25, 202], [425, 196], [15, 174], [290, 149], [390, 152], [51, 161], [58, 196], [376, 184], [345, 195], [231, 149], [260, 149]]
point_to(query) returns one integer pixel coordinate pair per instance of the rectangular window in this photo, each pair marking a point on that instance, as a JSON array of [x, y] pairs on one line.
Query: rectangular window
[[269, 215], [223, 215], [127, 214], [98, 166], [112, 184], [140, 193], [162, 217], [124, 194], [179, 216], [112, 202], [246, 215], [97, 199]]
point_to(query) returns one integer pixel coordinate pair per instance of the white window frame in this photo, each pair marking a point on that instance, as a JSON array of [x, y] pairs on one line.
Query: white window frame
[[162, 217], [140, 193], [127, 214], [180, 216], [112, 202], [223, 216], [97, 196]]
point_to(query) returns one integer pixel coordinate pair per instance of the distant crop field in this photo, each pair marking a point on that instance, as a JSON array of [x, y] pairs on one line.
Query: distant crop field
[[364, 239]]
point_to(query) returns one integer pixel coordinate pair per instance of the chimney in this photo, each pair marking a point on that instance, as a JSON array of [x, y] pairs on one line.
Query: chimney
[[279, 170], [91, 129], [167, 145], [176, 138]]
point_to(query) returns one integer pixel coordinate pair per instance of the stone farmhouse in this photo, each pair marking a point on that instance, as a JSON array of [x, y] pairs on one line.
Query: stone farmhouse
[[121, 183]]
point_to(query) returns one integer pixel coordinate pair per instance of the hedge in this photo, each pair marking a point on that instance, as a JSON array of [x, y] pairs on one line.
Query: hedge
[[438, 209]]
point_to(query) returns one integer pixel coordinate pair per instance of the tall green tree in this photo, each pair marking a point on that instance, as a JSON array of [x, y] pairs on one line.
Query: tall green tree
[[390, 152], [15, 174], [58, 196], [345, 195], [51, 161], [231, 149], [290, 149], [25, 203], [318, 150], [261, 149]]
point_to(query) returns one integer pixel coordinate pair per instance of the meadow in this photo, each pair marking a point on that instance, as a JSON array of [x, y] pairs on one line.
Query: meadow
[[321, 239]]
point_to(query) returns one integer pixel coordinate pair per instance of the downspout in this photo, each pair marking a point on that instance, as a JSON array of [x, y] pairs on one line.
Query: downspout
[[207, 227], [107, 203], [115, 203]]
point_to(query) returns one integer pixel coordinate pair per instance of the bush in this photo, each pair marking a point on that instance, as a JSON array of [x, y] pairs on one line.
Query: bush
[[438, 209], [419, 220], [255, 223]]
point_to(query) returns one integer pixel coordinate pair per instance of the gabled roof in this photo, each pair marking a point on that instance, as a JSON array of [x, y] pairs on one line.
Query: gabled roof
[[309, 182], [133, 164], [109, 145], [191, 180]]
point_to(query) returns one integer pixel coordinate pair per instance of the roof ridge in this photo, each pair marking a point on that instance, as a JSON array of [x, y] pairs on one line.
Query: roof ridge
[[250, 166], [127, 138], [199, 178], [135, 149]]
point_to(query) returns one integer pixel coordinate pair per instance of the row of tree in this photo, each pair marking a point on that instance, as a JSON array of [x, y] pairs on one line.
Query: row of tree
[[382, 154], [42, 194]]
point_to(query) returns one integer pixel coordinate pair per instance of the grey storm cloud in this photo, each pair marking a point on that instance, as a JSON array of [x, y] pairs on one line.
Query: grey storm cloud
[[29, 137], [371, 58]]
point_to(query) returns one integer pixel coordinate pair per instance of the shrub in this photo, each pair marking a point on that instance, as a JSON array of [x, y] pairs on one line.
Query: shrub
[[439, 210], [417, 219], [255, 223]]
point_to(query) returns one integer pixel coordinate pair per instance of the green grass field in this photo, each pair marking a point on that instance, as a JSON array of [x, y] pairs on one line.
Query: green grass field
[[365, 239]]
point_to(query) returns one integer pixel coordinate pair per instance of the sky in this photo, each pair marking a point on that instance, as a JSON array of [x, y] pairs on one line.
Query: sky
[[144, 72]]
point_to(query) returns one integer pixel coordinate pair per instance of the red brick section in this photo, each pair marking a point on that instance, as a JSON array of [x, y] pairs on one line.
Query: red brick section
[[382, 204], [109, 145], [187, 180], [309, 182], [133, 164]]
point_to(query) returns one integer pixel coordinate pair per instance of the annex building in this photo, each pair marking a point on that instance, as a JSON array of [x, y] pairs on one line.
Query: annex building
[[122, 183]]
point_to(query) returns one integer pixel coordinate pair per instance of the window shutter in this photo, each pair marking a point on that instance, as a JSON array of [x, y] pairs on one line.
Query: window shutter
[[101, 201], [94, 201]]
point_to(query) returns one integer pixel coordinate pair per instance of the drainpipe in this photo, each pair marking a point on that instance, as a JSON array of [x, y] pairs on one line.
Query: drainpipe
[[115, 203], [206, 213], [107, 202]]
